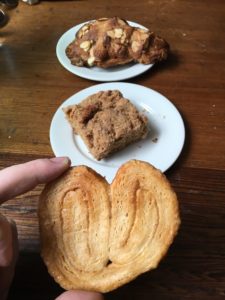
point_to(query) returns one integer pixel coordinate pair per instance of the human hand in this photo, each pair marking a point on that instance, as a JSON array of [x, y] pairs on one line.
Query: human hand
[[14, 181], [79, 295]]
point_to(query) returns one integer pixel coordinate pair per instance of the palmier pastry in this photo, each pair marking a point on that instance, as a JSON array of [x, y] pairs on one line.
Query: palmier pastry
[[107, 122], [108, 42], [96, 236]]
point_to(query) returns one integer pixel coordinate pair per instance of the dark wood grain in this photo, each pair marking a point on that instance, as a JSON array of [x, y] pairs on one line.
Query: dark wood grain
[[33, 84]]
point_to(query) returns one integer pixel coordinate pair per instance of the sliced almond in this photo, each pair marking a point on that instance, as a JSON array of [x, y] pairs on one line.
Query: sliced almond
[[135, 46], [85, 28], [85, 45], [111, 33], [123, 37], [91, 60], [80, 34], [143, 30], [102, 19], [118, 32]]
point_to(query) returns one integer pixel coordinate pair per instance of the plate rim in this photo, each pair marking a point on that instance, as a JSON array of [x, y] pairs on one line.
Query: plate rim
[[104, 86]]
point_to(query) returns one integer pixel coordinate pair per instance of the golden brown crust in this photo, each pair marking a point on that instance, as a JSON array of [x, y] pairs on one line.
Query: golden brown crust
[[98, 237], [110, 42]]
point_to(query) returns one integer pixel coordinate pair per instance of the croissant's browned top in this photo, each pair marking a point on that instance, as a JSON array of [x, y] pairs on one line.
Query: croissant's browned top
[[108, 42], [98, 237]]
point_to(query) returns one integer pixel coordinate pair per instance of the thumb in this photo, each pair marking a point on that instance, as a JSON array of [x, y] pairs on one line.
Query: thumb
[[80, 295]]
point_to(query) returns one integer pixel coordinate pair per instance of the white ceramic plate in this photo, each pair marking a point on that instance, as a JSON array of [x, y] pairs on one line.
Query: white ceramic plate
[[161, 147], [95, 73]]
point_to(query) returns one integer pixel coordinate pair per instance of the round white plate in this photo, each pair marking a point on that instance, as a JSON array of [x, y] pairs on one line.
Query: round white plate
[[95, 73], [161, 147]]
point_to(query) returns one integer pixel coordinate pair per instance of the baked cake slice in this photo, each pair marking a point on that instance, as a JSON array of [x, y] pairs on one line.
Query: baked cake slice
[[107, 122]]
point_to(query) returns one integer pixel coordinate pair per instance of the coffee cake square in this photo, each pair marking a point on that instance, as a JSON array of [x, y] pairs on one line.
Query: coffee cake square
[[107, 122]]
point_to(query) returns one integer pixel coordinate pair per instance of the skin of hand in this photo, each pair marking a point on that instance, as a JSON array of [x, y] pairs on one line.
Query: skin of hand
[[14, 181]]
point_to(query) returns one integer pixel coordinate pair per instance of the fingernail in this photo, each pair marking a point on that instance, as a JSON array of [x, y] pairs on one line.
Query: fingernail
[[61, 160]]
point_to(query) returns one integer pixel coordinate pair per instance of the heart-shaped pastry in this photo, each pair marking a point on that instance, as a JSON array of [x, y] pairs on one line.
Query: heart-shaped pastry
[[96, 236]]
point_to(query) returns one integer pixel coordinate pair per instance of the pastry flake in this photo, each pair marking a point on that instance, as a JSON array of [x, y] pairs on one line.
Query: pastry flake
[[96, 236]]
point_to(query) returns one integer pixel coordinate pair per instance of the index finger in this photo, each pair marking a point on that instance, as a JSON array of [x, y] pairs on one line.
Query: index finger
[[19, 179]]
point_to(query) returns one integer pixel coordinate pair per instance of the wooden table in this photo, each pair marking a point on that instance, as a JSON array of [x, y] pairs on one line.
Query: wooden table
[[33, 84]]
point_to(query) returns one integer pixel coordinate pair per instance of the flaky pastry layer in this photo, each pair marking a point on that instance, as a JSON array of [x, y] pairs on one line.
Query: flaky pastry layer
[[96, 236]]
